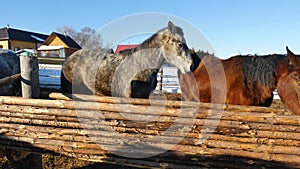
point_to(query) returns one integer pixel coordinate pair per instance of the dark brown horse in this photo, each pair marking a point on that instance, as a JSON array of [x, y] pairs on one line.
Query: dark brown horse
[[132, 73], [243, 80]]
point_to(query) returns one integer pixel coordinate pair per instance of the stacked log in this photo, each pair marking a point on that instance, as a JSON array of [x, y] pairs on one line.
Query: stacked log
[[224, 136]]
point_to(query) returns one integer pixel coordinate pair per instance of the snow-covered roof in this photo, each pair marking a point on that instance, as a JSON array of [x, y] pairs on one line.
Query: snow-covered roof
[[46, 47], [37, 38]]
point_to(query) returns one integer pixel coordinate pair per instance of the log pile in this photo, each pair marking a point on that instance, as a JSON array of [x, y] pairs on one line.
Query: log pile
[[178, 134]]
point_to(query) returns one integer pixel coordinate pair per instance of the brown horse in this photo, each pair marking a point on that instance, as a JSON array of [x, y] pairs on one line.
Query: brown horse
[[289, 89], [243, 80]]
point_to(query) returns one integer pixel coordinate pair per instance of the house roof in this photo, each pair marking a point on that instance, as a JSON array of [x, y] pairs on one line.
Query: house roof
[[16, 34], [123, 47], [65, 38]]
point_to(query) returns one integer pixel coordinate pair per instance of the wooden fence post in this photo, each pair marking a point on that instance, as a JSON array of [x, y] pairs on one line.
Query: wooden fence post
[[29, 76], [160, 79]]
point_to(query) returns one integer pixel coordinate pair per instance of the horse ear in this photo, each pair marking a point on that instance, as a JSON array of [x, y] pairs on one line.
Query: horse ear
[[171, 26], [292, 58]]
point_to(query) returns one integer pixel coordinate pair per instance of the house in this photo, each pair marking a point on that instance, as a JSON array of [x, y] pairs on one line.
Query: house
[[16, 39], [123, 47], [58, 45]]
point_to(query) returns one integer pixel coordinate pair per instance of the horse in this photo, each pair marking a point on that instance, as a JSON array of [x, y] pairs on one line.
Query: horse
[[10, 65], [289, 88], [249, 80], [131, 73]]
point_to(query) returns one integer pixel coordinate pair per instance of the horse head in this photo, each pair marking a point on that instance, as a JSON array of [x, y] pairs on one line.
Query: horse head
[[289, 84], [294, 60], [294, 66], [174, 47]]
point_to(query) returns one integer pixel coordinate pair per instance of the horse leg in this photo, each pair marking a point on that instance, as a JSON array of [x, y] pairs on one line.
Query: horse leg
[[66, 86], [189, 87], [268, 101], [140, 89]]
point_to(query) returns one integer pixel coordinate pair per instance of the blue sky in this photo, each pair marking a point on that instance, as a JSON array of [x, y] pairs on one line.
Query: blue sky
[[232, 26]]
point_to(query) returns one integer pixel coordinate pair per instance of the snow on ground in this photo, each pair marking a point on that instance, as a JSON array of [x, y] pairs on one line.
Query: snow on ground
[[170, 80], [49, 75]]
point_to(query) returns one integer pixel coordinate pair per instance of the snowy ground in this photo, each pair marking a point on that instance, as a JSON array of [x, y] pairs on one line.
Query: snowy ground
[[49, 75], [170, 80], [50, 78]]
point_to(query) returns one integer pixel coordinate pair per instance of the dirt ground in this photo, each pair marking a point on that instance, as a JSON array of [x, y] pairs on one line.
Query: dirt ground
[[63, 162]]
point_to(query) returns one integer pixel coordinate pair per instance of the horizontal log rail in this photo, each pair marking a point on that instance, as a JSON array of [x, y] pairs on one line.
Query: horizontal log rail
[[168, 103]]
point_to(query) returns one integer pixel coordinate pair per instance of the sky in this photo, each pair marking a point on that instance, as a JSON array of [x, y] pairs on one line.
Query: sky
[[232, 27]]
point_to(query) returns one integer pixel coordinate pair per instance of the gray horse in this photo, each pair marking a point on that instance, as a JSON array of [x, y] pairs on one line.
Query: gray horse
[[132, 72], [10, 65]]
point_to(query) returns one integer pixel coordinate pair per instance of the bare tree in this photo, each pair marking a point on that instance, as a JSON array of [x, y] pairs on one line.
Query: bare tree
[[67, 30], [87, 38]]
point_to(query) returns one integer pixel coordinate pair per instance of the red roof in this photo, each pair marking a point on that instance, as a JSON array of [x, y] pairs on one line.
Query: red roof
[[123, 47]]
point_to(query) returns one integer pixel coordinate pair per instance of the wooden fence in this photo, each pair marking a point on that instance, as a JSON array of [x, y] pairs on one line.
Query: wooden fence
[[238, 136]]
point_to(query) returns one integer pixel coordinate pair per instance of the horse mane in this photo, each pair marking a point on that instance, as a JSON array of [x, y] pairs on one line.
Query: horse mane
[[202, 53], [144, 45], [148, 43], [197, 57], [261, 69]]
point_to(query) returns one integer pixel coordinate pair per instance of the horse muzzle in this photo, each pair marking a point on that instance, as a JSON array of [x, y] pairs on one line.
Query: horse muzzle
[[184, 69]]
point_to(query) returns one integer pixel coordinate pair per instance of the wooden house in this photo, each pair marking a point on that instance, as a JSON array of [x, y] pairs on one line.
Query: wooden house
[[58, 45], [16, 39]]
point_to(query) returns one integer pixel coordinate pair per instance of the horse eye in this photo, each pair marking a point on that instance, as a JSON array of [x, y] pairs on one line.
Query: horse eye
[[179, 45], [295, 75]]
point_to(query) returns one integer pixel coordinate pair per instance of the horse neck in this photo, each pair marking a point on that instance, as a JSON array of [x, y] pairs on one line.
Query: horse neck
[[150, 53], [283, 68], [261, 71]]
